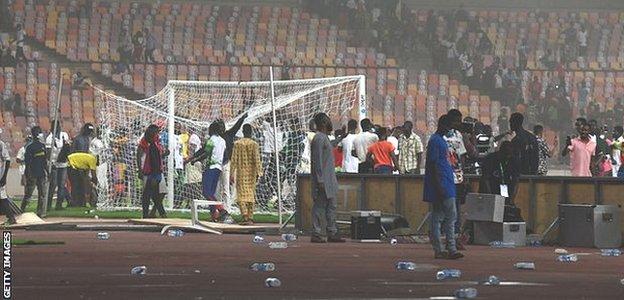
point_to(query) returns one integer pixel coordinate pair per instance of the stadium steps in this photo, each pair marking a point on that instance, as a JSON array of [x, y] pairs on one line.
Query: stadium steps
[[47, 54]]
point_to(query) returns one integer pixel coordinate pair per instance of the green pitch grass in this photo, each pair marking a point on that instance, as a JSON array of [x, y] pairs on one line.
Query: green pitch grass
[[86, 212]]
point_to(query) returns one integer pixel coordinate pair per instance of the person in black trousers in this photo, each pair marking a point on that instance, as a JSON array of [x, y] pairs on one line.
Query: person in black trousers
[[150, 155], [36, 172], [79, 179]]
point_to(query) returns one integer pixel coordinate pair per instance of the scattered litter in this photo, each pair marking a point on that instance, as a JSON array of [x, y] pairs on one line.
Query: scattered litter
[[175, 233], [611, 252], [140, 270], [447, 274], [278, 245], [567, 258], [561, 251], [258, 239], [262, 267], [622, 281], [536, 243], [466, 293], [272, 282], [96, 217], [103, 235], [406, 265], [524, 266], [501, 244], [289, 237], [393, 241], [197, 271]]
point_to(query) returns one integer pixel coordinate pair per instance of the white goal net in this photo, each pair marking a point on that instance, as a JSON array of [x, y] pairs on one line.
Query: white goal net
[[185, 109]]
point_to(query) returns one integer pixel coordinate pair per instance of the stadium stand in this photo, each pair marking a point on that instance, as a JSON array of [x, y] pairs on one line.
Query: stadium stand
[[193, 42]]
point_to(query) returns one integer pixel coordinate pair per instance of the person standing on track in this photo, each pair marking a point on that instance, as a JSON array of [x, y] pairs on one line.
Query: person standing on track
[[150, 154], [439, 191], [246, 169], [324, 182]]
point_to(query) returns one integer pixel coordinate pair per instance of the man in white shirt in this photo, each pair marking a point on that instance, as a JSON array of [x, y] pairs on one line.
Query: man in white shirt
[[193, 171], [349, 162], [57, 146], [7, 207], [269, 152], [97, 148], [212, 156], [582, 41], [361, 143]]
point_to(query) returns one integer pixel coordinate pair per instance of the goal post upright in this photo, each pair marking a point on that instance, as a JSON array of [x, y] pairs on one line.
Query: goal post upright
[[171, 146], [362, 111], [277, 161]]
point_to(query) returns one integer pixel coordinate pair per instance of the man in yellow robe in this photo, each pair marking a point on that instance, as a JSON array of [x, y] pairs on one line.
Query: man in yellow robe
[[246, 168]]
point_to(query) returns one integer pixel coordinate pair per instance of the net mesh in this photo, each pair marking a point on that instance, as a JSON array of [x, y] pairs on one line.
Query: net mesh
[[197, 104]]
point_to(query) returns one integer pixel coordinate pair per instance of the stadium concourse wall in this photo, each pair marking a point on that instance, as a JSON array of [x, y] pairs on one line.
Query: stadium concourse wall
[[538, 196]]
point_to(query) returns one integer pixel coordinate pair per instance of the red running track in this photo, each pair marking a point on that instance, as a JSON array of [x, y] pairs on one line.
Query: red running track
[[87, 268]]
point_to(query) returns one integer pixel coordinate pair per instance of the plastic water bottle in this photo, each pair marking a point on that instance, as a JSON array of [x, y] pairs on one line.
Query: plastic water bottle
[[289, 237], [175, 232], [501, 244], [561, 251], [393, 241], [272, 282], [103, 235], [140, 270], [493, 280], [466, 293], [611, 252], [258, 239], [567, 258], [278, 245], [524, 266], [448, 273], [263, 267], [406, 265]]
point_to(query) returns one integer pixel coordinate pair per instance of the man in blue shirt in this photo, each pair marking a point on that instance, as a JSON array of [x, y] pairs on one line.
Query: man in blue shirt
[[439, 191], [36, 173]]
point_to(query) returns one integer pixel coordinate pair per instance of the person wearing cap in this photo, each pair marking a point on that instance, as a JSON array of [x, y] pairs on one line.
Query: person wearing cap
[[36, 172], [79, 178]]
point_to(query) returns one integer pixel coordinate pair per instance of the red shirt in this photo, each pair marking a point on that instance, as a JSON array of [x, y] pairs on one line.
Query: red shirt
[[382, 151], [337, 157]]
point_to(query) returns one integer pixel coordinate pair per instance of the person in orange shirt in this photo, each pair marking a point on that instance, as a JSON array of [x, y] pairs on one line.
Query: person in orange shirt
[[382, 154]]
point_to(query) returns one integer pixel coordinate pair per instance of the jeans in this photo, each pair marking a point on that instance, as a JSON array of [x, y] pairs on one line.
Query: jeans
[[324, 208], [443, 217], [383, 170], [31, 183], [58, 177]]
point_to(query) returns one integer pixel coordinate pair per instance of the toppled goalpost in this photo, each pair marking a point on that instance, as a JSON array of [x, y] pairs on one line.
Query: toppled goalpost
[[279, 112]]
